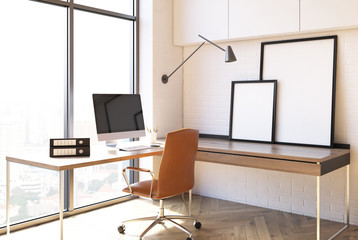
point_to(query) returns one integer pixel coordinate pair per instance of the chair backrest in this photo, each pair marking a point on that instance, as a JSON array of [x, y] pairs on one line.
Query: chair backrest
[[176, 171]]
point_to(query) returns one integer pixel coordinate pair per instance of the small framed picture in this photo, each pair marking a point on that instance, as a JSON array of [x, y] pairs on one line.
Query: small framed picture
[[253, 110]]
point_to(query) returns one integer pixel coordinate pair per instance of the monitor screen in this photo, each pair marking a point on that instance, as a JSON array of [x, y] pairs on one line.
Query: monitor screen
[[118, 116]]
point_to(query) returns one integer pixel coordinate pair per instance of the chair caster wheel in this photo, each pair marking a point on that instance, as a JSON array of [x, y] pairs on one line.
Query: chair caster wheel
[[121, 229], [189, 238], [197, 225]]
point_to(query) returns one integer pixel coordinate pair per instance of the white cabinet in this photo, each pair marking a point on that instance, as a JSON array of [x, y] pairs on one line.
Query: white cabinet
[[326, 14], [238, 19], [249, 18], [208, 18]]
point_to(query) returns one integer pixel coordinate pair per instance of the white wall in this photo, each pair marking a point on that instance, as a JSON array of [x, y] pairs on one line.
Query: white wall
[[168, 98], [162, 103], [206, 103]]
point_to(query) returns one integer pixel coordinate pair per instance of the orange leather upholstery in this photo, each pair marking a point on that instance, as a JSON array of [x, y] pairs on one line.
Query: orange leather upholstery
[[176, 171], [143, 188]]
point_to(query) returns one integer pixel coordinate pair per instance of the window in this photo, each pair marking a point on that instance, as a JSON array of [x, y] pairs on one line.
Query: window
[[102, 59], [36, 84], [32, 77]]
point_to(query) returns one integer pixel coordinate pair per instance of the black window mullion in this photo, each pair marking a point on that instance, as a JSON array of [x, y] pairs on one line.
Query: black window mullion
[[69, 183]]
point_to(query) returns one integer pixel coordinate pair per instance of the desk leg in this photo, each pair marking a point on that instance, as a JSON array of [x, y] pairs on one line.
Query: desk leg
[[345, 226], [8, 198], [190, 199], [318, 230], [62, 185], [347, 195]]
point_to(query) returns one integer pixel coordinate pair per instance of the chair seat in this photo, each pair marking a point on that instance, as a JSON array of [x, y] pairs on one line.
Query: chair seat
[[142, 189]]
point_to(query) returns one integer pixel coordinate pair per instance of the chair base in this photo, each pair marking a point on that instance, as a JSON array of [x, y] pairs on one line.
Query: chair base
[[160, 220]]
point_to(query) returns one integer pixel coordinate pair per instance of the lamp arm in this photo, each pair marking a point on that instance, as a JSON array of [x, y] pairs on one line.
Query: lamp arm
[[165, 77], [211, 42], [186, 59]]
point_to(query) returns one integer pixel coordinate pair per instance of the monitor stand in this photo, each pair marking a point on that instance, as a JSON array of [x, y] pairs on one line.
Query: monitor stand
[[127, 146], [111, 143]]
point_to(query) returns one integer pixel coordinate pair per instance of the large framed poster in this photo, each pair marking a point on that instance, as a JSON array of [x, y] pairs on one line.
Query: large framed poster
[[305, 70]]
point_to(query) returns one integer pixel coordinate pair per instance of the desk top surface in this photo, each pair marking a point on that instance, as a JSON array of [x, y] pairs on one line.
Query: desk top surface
[[276, 151], [100, 155], [315, 161], [103, 155]]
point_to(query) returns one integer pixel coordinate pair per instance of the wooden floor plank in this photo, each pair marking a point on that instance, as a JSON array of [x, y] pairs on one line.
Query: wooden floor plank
[[239, 232], [251, 230], [273, 226], [261, 228]]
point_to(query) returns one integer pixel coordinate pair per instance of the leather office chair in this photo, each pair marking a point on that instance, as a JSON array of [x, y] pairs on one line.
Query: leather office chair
[[176, 176]]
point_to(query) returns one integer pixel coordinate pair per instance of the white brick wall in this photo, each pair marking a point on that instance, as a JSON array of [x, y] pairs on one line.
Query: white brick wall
[[207, 86]]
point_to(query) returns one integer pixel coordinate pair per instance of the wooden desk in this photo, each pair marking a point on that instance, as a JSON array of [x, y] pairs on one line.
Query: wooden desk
[[42, 160], [287, 158], [295, 159]]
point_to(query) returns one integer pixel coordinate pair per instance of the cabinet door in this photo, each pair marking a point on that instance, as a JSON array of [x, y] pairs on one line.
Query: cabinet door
[[262, 17], [325, 14], [208, 18]]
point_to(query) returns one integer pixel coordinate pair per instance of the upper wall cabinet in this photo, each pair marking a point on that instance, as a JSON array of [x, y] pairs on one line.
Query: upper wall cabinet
[[208, 18], [325, 14], [235, 19], [262, 17]]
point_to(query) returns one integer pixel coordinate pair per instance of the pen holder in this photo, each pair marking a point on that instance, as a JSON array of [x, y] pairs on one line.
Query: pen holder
[[152, 137]]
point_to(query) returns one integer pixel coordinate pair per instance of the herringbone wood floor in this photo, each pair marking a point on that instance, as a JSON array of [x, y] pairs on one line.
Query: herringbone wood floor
[[221, 220]]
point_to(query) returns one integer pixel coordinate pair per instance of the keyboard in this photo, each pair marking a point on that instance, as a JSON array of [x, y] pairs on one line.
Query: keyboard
[[134, 148]]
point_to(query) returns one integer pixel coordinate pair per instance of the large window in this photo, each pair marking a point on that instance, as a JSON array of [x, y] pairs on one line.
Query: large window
[[32, 78], [102, 59], [43, 94]]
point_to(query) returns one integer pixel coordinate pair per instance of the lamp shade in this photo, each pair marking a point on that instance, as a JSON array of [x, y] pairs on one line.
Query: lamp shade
[[229, 55]]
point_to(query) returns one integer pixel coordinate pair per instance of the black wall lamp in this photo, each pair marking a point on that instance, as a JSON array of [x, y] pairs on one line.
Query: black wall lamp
[[229, 57]]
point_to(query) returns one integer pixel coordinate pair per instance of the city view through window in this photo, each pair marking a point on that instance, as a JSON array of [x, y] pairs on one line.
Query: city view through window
[[33, 88], [32, 78]]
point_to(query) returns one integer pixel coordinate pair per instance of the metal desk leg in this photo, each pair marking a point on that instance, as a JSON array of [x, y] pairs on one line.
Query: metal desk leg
[[7, 198], [345, 226], [62, 185], [190, 199], [347, 195], [318, 230]]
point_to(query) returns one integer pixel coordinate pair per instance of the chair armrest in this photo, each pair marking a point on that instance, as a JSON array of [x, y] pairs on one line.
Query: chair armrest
[[138, 170]]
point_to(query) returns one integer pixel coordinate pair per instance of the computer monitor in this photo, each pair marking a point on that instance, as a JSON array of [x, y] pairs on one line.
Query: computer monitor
[[118, 116]]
